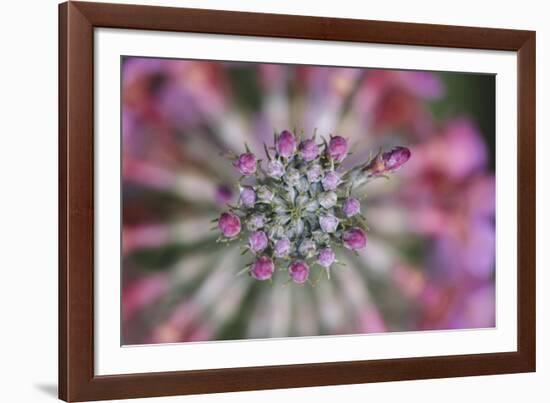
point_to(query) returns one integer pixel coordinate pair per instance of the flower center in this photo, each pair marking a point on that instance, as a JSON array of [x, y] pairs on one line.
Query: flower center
[[296, 212]]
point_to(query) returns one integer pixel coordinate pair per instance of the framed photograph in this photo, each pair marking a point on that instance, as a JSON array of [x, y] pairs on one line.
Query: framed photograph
[[255, 201]]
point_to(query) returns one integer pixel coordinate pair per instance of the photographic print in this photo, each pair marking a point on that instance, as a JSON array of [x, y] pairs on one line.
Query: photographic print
[[269, 200], [252, 201]]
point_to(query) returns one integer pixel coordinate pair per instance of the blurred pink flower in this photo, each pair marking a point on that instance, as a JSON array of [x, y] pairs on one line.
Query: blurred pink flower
[[391, 100], [410, 280], [143, 237], [456, 153], [177, 114], [184, 324], [479, 309], [140, 293], [224, 194], [472, 250], [371, 321]]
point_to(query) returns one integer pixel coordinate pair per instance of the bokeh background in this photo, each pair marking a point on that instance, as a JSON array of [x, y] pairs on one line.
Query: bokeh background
[[430, 259]]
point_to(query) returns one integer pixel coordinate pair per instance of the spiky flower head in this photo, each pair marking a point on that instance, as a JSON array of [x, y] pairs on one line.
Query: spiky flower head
[[300, 207]]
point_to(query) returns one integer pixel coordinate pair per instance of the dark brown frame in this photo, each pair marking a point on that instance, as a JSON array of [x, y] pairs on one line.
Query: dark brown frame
[[77, 21]]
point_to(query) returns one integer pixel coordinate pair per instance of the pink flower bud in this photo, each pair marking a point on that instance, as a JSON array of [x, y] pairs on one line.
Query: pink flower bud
[[264, 193], [246, 164], [325, 257], [327, 199], [275, 169], [309, 150], [389, 161], [328, 223], [338, 148], [258, 241], [248, 197], [255, 222], [263, 268], [354, 238], [351, 207], [282, 247], [229, 224], [331, 181], [395, 158], [299, 271], [307, 248], [286, 144], [314, 173]]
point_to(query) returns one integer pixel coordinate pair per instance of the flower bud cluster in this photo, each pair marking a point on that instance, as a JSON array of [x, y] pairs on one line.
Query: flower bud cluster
[[297, 208]]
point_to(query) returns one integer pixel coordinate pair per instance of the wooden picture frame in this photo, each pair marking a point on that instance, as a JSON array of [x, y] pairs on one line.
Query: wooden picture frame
[[77, 21]]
